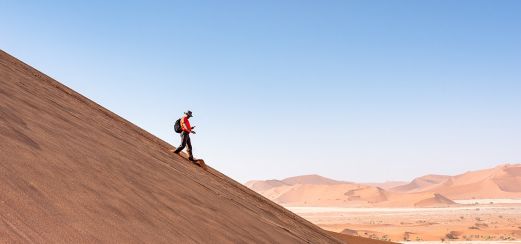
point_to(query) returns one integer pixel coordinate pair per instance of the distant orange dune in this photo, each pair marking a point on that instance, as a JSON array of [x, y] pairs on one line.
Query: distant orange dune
[[503, 181], [342, 194]]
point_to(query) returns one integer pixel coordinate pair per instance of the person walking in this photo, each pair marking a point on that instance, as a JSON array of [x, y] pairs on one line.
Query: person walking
[[183, 127]]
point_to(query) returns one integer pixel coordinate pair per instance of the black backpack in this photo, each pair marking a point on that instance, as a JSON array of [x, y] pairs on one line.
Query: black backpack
[[177, 126]]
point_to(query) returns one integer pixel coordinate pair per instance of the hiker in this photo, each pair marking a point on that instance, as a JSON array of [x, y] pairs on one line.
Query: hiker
[[183, 127]]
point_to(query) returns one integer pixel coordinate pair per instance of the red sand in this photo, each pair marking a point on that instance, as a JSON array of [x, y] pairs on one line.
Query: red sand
[[72, 171]]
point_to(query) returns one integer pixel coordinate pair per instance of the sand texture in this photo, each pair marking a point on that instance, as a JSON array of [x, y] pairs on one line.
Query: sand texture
[[74, 172]]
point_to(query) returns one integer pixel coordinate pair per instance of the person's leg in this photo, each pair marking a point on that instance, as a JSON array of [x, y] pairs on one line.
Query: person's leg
[[189, 143], [184, 137]]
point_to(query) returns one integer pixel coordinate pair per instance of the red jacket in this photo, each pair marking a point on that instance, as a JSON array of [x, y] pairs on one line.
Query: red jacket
[[185, 124]]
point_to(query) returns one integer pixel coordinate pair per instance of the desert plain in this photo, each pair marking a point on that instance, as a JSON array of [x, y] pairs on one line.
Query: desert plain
[[475, 222], [480, 206]]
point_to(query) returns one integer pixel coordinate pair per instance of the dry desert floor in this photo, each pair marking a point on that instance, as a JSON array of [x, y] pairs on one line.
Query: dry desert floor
[[487, 223]]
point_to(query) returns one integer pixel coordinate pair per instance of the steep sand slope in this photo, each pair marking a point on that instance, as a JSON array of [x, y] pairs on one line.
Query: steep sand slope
[[72, 171], [436, 201]]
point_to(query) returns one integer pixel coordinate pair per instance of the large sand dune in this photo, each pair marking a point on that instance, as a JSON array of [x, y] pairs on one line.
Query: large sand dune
[[503, 181], [74, 172], [327, 192]]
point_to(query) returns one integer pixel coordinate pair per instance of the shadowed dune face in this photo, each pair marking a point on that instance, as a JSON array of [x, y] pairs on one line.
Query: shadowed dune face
[[513, 171], [436, 201], [509, 180], [72, 171]]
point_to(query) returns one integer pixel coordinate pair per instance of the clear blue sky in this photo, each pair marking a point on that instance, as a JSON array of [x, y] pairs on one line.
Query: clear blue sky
[[353, 90]]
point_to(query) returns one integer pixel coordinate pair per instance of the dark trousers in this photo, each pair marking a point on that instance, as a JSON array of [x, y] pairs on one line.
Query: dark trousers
[[185, 141]]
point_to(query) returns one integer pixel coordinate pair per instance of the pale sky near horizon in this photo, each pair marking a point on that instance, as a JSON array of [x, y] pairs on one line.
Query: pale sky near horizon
[[352, 90]]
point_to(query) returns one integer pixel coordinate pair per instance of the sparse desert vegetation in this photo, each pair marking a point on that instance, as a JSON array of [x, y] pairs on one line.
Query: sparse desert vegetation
[[491, 223], [425, 209]]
